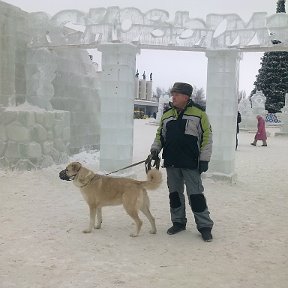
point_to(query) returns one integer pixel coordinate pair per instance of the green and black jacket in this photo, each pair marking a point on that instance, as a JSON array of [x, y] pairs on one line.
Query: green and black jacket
[[186, 137]]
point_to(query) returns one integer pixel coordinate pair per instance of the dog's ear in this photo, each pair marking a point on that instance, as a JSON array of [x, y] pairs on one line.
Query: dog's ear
[[76, 166]]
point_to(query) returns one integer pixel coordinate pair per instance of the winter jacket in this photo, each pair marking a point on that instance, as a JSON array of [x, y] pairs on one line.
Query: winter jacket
[[186, 137]]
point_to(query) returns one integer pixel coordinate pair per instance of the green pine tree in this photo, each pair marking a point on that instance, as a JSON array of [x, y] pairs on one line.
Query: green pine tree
[[273, 75], [281, 6]]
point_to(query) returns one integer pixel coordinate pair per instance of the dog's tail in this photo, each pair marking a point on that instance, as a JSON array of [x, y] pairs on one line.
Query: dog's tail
[[154, 179]]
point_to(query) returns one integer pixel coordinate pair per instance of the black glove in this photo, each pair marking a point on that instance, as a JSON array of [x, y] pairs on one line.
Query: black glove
[[154, 154], [152, 157], [203, 166]]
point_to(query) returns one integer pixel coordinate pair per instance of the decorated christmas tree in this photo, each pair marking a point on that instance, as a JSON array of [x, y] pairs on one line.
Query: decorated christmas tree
[[273, 74]]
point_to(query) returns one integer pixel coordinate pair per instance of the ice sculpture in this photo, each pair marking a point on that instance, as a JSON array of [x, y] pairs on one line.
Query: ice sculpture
[[40, 72], [250, 108], [247, 115], [258, 103], [38, 84], [156, 29], [283, 117], [222, 37]]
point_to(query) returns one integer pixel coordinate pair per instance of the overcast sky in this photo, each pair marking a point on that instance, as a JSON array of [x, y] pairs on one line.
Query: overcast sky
[[170, 66]]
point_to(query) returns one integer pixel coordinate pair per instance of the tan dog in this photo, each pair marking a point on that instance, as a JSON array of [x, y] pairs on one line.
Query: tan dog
[[99, 191]]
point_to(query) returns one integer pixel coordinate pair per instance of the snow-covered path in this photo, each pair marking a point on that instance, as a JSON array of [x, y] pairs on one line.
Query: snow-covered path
[[42, 246]]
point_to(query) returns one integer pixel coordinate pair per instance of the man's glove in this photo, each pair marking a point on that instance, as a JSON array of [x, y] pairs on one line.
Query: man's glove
[[154, 154], [152, 157], [203, 166]]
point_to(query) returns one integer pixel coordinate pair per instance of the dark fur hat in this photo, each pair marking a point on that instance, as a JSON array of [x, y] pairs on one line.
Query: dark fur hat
[[183, 88]]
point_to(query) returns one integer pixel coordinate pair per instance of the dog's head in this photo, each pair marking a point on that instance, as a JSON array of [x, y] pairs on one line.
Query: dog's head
[[71, 171]]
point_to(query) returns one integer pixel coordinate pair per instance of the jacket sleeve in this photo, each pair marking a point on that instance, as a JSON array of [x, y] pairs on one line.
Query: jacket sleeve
[[157, 144], [206, 141]]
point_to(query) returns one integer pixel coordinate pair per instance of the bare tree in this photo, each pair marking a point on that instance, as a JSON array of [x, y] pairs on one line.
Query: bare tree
[[198, 96], [241, 95], [159, 92]]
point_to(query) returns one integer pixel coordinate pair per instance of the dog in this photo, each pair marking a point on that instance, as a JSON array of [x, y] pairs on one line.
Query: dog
[[99, 190]]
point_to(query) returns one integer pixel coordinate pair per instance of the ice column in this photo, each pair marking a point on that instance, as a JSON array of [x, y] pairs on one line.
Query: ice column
[[222, 103], [117, 105]]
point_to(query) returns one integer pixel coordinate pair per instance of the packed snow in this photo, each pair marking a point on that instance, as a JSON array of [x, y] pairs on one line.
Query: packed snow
[[42, 218]]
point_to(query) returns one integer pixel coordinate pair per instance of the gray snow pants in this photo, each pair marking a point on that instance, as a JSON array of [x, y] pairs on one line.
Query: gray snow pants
[[176, 178]]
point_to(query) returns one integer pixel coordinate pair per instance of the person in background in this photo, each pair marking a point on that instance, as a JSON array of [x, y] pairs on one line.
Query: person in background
[[261, 132], [186, 138], [237, 129]]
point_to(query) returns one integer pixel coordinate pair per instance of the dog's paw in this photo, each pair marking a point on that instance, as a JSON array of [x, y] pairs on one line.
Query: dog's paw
[[133, 235], [87, 230], [153, 231], [98, 226]]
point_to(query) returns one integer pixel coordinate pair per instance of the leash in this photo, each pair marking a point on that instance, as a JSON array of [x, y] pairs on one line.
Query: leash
[[148, 165], [132, 165]]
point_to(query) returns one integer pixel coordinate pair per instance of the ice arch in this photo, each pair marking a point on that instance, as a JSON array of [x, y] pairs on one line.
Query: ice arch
[[121, 33]]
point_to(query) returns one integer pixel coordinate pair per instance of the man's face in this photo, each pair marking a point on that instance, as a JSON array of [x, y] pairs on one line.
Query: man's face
[[179, 100]]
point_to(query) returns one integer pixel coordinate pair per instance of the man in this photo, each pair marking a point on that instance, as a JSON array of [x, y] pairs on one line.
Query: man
[[186, 138]]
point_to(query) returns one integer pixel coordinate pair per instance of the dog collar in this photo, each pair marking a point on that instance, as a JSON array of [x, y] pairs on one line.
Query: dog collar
[[96, 177]]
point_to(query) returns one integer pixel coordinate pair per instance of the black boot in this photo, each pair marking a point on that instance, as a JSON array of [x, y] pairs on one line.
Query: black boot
[[177, 227], [206, 234]]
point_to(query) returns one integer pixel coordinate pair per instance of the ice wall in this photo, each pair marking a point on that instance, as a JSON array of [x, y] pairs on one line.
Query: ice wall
[[40, 71], [76, 89], [66, 79], [13, 38], [49, 79], [32, 138]]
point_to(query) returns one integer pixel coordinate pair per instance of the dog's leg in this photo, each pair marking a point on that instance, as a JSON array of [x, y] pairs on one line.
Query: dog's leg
[[138, 223], [133, 213], [147, 213], [99, 218], [92, 219]]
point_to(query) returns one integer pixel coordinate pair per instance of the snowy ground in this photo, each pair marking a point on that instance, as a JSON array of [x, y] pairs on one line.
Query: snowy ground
[[41, 243]]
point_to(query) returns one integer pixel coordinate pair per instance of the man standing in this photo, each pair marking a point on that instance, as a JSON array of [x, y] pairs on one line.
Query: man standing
[[186, 138]]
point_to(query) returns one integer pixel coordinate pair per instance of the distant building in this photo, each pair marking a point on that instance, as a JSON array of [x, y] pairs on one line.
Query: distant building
[[144, 95]]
